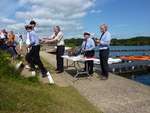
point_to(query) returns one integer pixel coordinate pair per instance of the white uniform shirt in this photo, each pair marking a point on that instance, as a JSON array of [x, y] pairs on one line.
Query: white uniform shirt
[[105, 41], [88, 45], [59, 38], [32, 38]]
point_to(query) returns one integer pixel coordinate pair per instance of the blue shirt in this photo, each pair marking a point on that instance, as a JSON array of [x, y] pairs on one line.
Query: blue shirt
[[32, 38], [105, 40], [88, 45]]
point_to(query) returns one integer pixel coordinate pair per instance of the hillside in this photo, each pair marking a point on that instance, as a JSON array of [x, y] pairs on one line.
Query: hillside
[[20, 95]]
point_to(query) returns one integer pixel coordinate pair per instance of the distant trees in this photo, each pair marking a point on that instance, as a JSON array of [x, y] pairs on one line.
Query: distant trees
[[73, 42], [140, 40]]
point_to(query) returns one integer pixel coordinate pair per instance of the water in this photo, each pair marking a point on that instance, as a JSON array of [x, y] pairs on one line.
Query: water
[[143, 77], [128, 50]]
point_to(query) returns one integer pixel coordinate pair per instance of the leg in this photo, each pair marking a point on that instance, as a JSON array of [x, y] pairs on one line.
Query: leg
[[14, 48], [86, 66], [91, 64], [12, 52], [60, 60], [104, 62], [57, 58], [38, 61], [101, 62], [30, 58]]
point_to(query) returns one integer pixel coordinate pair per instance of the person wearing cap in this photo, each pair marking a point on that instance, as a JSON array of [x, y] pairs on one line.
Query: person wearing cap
[[58, 38], [104, 43], [33, 56], [88, 46]]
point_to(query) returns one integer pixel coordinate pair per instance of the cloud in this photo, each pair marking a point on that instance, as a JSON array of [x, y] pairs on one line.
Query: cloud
[[65, 13], [93, 11], [4, 20]]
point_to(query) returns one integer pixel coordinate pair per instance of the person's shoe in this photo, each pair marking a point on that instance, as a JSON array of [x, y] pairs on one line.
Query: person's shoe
[[33, 73], [104, 78], [44, 75], [31, 69], [56, 69], [58, 72], [51, 81], [91, 75], [19, 65], [27, 67]]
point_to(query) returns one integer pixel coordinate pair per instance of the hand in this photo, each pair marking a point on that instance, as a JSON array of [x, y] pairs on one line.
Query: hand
[[42, 41], [45, 38], [46, 41], [29, 46], [97, 42]]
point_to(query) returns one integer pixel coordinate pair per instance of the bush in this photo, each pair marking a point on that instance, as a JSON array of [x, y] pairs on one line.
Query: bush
[[7, 70], [5, 65]]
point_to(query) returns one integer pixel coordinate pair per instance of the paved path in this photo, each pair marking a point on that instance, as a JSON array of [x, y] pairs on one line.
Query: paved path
[[116, 95]]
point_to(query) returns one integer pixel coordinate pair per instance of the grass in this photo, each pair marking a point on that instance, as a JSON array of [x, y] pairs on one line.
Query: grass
[[20, 95]]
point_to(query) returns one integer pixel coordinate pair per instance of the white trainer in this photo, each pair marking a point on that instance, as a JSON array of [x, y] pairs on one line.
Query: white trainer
[[51, 81], [27, 66], [33, 73], [18, 65]]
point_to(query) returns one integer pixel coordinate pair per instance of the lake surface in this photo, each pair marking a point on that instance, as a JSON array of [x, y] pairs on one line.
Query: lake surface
[[128, 50], [143, 77]]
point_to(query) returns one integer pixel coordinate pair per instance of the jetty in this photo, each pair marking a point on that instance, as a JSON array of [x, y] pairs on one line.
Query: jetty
[[129, 66], [116, 95]]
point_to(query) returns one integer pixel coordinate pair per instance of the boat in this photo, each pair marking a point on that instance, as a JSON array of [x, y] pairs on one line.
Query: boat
[[110, 61], [135, 58]]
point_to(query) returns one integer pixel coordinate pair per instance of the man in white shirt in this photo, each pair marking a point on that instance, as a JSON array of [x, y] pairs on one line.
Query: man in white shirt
[[33, 56], [88, 46], [58, 38], [104, 44]]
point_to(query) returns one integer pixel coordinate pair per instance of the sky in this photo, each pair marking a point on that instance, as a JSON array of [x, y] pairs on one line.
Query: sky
[[125, 18]]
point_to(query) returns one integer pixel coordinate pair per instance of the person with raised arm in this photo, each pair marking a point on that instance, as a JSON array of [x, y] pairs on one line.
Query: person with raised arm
[[33, 56], [58, 38]]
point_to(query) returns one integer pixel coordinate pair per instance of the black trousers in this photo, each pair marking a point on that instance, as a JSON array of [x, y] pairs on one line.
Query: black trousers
[[89, 64], [60, 61], [33, 58], [104, 55]]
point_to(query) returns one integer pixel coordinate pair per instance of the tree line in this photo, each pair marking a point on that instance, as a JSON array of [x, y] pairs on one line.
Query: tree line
[[140, 40]]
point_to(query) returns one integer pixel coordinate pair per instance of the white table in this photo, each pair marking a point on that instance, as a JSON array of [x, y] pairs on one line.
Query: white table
[[78, 59], [76, 63]]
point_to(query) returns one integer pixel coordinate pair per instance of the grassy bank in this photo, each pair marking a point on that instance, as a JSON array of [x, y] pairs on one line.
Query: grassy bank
[[20, 95]]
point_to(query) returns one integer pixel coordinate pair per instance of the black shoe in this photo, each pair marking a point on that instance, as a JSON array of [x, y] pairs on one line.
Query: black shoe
[[44, 75], [58, 72], [31, 69], [56, 69], [91, 73]]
